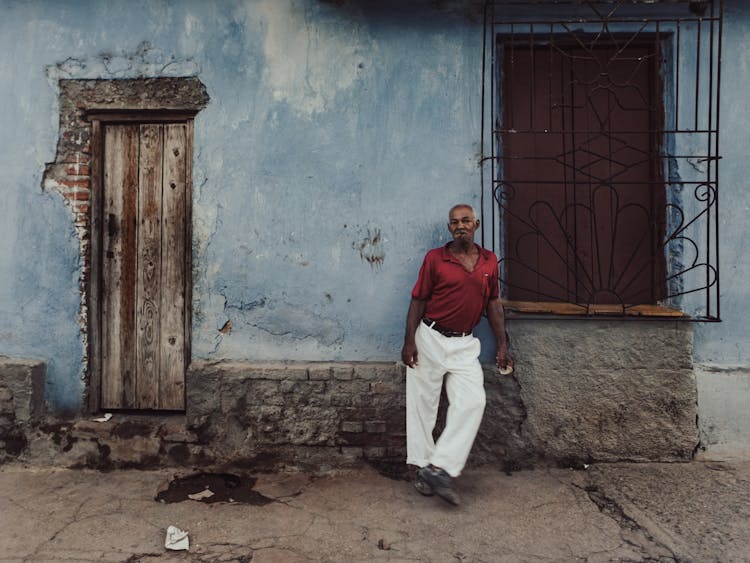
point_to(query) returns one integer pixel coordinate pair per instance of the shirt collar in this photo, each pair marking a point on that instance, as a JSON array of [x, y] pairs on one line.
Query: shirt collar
[[448, 257]]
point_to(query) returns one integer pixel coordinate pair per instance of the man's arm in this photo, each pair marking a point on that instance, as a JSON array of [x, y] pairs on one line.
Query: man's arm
[[496, 318], [413, 318]]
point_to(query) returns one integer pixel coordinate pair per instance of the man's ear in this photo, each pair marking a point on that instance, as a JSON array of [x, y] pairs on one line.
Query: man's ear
[[477, 220]]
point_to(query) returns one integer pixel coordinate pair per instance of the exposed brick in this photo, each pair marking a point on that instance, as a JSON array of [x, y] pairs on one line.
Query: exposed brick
[[181, 437], [351, 454], [358, 413], [375, 426], [77, 195], [319, 372], [302, 387], [307, 417], [349, 400], [279, 373], [343, 373], [386, 387], [375, 452], [350, 387], [74, 182], [397, 451], [90, 428], [5, 395], [351, 426], [385, 372], [77, 169]]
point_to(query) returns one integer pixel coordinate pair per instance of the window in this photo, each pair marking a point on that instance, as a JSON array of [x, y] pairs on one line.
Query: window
[[600, 176]]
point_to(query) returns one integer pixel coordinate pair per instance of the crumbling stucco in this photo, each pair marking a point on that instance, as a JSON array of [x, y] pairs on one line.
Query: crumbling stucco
[[70, 173]]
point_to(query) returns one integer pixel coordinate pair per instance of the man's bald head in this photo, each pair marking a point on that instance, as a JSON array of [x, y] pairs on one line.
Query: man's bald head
[[463, 206]]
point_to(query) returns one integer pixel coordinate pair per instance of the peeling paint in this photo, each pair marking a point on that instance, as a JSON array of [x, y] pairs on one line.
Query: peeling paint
[[309, 60], [143, 61], [371, 247], [283, 319]]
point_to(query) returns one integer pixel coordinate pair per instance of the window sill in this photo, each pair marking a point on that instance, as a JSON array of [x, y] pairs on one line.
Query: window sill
[[522, 308]]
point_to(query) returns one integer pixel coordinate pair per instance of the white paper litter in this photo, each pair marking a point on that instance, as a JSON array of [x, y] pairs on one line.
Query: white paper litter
[[206, 493], [104, 418], [176, 539]]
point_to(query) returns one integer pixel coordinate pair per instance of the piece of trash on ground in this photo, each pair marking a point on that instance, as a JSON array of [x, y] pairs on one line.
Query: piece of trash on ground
[[176, 539], [383, 544], [104, 418], [205, 493]]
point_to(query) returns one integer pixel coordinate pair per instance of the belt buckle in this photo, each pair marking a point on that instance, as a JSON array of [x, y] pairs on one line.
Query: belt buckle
[[445, 332]]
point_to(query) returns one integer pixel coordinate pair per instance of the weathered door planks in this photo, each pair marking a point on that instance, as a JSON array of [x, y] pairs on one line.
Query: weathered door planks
[[148, 261], [118, 297], [173, 245], [144, 279]]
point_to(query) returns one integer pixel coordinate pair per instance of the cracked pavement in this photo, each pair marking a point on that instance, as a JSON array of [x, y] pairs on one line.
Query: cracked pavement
[[609, 512]]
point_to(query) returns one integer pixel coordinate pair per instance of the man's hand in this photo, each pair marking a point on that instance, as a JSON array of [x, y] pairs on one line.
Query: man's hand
[[496, 318], [503, 361], [409, 354], [413, 318]]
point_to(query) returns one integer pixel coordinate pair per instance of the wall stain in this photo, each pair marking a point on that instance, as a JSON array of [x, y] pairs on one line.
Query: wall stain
[[370, 248]]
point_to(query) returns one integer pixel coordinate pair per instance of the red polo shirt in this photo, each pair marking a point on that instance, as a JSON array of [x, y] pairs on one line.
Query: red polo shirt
[[456, 298]]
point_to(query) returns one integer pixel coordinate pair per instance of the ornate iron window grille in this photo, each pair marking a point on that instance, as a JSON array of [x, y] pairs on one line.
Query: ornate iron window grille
[[686, 47]]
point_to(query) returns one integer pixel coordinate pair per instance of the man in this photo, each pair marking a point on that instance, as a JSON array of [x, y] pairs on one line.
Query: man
[[457, 284]]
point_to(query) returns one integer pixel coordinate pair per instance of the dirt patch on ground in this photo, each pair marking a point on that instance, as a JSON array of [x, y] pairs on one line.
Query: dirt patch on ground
[[396, 470], [213, 487]]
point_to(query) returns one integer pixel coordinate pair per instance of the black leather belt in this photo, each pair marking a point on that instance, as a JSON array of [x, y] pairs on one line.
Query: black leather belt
[[442, 330]]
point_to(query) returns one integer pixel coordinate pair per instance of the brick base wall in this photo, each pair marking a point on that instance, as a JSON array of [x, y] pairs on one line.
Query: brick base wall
[[300, 415]]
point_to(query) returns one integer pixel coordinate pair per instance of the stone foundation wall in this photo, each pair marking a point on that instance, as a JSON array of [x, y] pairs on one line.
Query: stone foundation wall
[[21, 403], [300, 415], [597, 391], [582, 392]]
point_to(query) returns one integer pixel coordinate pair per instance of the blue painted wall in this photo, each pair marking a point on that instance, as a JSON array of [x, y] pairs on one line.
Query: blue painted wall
[[728, 343], [337, 136]]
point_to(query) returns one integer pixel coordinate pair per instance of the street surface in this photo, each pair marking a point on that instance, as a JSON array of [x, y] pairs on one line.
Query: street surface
[[696, 511]]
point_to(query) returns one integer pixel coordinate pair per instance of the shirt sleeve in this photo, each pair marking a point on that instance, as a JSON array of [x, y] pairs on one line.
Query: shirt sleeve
[[494, 278], [423, 288]]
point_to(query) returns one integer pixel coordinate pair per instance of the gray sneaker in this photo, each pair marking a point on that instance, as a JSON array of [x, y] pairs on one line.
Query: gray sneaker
[[422, 486], [440, 483]]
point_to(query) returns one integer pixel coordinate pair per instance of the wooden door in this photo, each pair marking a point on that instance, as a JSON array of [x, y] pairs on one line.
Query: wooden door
[[145, 265]]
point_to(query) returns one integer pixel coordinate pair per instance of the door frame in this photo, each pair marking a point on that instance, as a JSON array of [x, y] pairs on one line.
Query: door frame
[[99, 119]]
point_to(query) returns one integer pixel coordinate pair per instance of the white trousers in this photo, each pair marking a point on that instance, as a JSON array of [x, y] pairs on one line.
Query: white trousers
[[456, 358]]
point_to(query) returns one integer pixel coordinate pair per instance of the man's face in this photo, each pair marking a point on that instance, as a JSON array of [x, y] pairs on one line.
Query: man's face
[[462, 224]]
